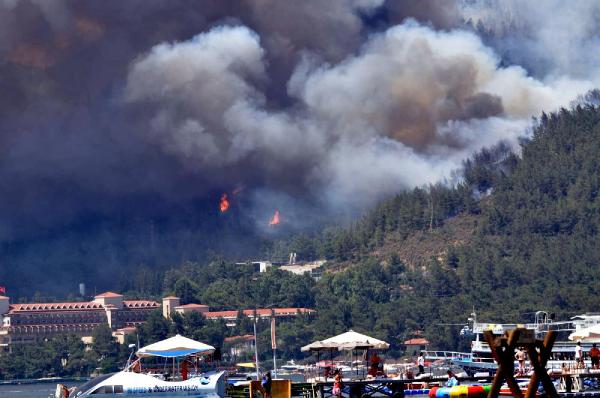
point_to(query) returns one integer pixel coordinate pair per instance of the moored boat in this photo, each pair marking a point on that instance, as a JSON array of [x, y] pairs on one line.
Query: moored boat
[[479, 361], [133, 381]]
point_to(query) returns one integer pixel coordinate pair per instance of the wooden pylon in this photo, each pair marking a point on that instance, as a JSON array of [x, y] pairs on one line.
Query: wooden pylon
[[503, 351]]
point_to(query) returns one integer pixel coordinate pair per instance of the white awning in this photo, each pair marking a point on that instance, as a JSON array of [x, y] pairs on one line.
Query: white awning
[[176, 346], [591, 333], [347, 341]]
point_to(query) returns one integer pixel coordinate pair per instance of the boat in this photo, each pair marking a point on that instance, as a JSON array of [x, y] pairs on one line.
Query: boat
[[479, 361], [133, 381], [291, 367], [243, 372]]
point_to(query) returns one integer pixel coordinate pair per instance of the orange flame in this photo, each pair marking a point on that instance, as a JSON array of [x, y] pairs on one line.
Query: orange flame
[[274, 219], [224, 203]]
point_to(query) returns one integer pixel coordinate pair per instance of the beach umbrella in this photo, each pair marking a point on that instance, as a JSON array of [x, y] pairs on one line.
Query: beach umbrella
[[319, 346], [352, 340]]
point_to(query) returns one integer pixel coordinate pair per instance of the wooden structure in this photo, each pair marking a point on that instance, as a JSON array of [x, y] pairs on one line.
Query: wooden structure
[[279, 389], [503, 351], [381, 388]]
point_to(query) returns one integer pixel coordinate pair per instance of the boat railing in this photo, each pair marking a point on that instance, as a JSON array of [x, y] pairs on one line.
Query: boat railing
[[449, 355]]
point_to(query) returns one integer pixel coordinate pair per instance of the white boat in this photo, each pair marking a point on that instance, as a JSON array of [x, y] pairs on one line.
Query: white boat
[[131, 381], [291, 367], [480, 360]]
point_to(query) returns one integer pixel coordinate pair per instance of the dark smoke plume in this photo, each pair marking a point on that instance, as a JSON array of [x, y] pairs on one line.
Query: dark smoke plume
[[143, 112]]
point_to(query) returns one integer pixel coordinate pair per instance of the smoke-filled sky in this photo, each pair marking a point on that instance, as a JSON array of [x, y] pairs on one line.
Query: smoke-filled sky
[[307, 106]]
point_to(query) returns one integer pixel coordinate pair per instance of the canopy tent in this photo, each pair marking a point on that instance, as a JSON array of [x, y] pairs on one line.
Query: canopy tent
[[350, 340], [591, 333], [176, 346]]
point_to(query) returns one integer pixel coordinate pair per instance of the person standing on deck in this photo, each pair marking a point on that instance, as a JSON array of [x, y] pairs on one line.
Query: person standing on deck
[[266, 384], [337, 384], [421, 363], [579, 355], [184, 370], [520, 356], [595, 356]]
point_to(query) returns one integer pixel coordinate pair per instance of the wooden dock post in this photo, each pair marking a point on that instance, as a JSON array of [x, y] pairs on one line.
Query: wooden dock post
[[503, 351], [538, 360]]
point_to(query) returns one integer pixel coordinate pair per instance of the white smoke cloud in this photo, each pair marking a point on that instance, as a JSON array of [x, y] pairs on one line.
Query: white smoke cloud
[[402, 112], [551, 39]]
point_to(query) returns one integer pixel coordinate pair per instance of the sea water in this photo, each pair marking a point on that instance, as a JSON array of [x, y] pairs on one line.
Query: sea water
[[36, 390]]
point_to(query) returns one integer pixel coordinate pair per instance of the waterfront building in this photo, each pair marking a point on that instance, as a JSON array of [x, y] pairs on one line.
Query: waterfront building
[[415, 345], [238, 346], [172, 304], [32, 322]]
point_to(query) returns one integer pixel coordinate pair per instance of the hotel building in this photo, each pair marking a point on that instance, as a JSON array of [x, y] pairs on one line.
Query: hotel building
[[33, 322]]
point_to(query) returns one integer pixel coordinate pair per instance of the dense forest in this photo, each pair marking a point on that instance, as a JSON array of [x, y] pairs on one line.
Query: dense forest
[[536, 218]]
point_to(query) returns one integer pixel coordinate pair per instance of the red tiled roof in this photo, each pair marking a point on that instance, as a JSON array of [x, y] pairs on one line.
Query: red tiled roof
[[140, 304], [419, 341], [128, 329], [220, 314], [192, 306], [260, 312], [78, 306], [246, 337], [108, 294], [85, 305]]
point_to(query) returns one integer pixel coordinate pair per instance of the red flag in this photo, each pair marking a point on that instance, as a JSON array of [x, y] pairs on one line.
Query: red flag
[[273, 336], [3, 289]]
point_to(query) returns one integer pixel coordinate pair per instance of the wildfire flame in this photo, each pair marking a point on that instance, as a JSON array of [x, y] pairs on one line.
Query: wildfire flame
[[275, 219], [224, 203]]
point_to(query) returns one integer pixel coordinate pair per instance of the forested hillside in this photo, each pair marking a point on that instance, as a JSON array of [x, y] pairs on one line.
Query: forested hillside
[[516, 235], [519, 234]]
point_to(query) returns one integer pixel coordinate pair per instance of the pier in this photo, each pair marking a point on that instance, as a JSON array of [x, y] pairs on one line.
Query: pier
[[399, 388]]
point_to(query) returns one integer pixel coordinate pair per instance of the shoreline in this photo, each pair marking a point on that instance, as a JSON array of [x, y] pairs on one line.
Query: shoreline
[[42, 380]]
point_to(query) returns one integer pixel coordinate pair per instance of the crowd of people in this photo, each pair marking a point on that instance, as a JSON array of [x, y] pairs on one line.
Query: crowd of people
[[375, 368], [593, 354]]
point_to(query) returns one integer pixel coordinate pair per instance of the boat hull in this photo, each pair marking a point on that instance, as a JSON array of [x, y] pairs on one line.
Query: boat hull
[[141, 385]]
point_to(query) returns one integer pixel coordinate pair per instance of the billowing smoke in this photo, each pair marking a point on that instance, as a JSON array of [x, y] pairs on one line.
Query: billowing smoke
[[125, 110], [402, 111], [551, 40]]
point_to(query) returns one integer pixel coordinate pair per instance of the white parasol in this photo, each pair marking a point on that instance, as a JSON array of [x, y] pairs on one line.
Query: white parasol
[[349, 340]]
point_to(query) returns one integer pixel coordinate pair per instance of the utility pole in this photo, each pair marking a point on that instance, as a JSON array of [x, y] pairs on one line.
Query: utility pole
[[274, 343], [256, 347]]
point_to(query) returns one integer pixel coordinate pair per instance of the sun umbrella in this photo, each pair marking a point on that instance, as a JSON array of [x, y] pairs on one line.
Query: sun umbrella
[[319, 346], [352, 340]]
